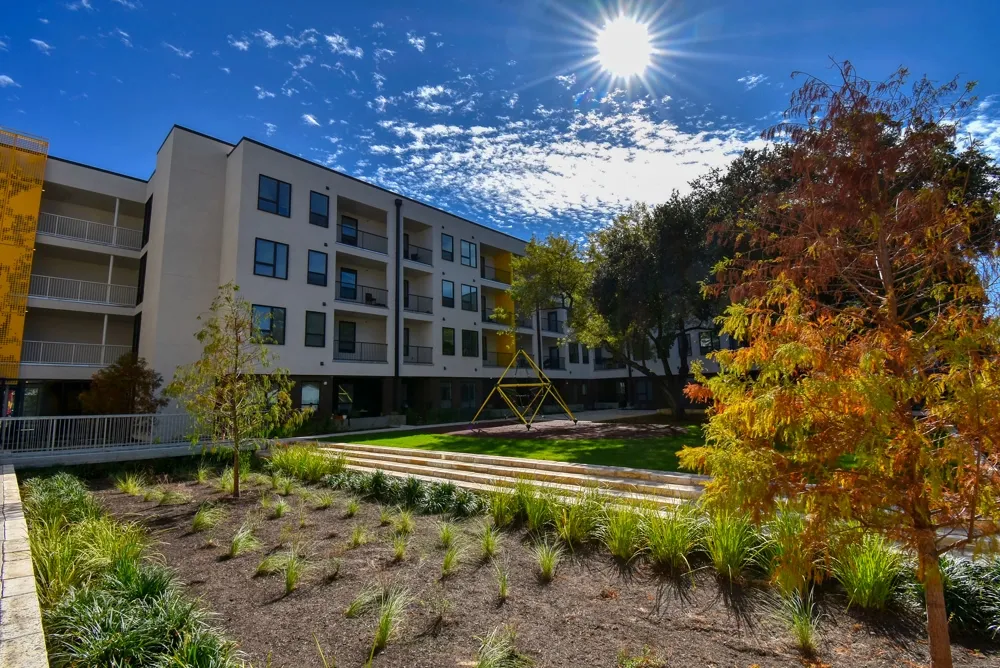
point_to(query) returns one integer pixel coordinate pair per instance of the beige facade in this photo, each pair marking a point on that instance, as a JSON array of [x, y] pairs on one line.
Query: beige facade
[[122, 262]]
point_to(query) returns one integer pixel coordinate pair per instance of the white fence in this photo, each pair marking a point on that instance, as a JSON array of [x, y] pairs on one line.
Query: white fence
[[91, 292], [88, 230], [39, 435], [71, 354]]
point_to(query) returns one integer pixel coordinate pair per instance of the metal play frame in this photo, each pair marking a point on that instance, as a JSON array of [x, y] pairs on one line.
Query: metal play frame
[[542, 388]]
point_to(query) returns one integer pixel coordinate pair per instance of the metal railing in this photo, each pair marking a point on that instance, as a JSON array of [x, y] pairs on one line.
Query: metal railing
[[494, 274], [48, 434], [490, 318], [360, 351], [556, 363], [71, 354], [524, 321], [607, 363], [354, 237], [90, 292], [418, 303], [497, 359], [418, 355], [418, 254], [362, 294], [89, 231], [556, 326]]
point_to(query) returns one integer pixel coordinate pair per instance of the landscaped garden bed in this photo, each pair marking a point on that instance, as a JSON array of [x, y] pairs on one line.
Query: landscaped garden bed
[[301, 566]]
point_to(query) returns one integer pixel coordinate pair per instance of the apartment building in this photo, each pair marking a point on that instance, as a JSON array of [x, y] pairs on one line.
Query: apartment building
[[371, 299]]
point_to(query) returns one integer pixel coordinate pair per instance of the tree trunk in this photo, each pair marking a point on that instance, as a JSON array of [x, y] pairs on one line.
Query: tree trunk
[[937, 615], [236, 469]]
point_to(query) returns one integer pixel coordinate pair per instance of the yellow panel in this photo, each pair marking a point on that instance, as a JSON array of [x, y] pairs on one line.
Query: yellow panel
[[502, 261], [22, 173]]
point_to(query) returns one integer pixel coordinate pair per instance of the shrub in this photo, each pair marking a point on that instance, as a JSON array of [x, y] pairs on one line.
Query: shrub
[[323, 500], [379, 486], [621, 532], [497, 649], [798, 611], [352, 508], [502, 507], [789, 559], [278, 508], [244, 540], [451, 561], [305, 462], [62, 496], [399, 544], [446, 534], [390, 618], [412, 493], [203, 474], [404, 523], [503, 580], [548, 555], [440, 498], [154, 494], [646, 659], [294, 567], [489, 541], [372, 596], [331, 569], [539, 507], [384, 516], [671, 536], [272, 564], [174, 497], [971, 595], [577, 520], [732, 543], [466, 504], [870, 571], [207, 517], [359, 536], [133, 484]]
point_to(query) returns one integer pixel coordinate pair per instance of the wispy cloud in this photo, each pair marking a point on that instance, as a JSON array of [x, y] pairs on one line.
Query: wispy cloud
[[512, 101], [378, 80], [984, 126], [426, 99], [306, 37], [309, 119], [751, 81], [381, 102], [242, 44], [6, 81], [225, 69], [417, 42], [44, 47], [3, 45], [262, 94], [129, 4], [378, 25], [123, 37], [339, 44], [567, 80], [383, 54], [80, 4], [43, 21], [270, 128], [179, 51]]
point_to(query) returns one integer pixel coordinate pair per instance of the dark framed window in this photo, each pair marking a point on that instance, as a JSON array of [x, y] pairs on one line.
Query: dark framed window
[[708, 341], [585, 355], [315, 329], [274, 196], [270, 323], [270, 258], [470, 343], [349, 284], [448, 294], [347, 336], [468, 253], [447, 340], [470, 298], [468, 395], [574, 353], [310, 396], [643, 390], [141, 289], [447, 247], [348, 231], [445, 394], [147, 216], [319, 209], [317, 268]]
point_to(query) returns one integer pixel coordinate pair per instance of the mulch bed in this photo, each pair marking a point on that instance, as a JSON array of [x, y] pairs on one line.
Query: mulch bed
[[565, 430], [583, 618]]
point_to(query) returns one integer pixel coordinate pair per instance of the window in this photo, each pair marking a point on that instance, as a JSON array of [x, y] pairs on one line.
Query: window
[[447, 247], [274, 196], [468, 395], [586, 355], [468, 253], [348, 231], [470, 298], [147, 216], [270, 322], [319, 209], [141, 290], [574, 353], [445, 394], [447, 340], [315, 329], [642, 390], [270, 259], [310, 396], [348, 288], [448, 294], [708, 341], [470, 343], [317, 268], [347, 333]]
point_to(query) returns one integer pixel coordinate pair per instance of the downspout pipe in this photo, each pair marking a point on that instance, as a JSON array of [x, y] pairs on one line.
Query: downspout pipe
[[397, 404]]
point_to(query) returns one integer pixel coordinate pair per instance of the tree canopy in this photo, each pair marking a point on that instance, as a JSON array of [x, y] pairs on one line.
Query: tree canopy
[[126, 386]]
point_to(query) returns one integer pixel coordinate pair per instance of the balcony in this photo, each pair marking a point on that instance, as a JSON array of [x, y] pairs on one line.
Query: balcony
[[490, 317], [362, 294], [71, 354], [554, 363], [352, 236], [607, 364], [555, 326], [418, 355], [496, 359], [418, 254], [360, 351], [418, 304], [494, 274], [86, 292], [89, 231]]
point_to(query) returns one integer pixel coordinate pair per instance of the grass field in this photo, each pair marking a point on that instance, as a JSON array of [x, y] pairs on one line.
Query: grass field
[[659, 453]]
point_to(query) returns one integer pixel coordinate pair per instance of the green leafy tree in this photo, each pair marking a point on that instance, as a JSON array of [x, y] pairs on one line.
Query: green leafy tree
[[125, 387], [231, 391]]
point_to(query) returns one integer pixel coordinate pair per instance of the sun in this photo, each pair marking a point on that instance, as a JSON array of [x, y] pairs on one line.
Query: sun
[[624, 47]]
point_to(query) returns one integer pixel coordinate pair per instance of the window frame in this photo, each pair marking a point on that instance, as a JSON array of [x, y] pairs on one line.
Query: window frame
[[340, 280], [467, 385], [324, 217], [473, 294], [585, 355], [314, 334], [354, 227], [713, 341], [446, 300], [274, 262], [309, 270], [448, 253], [574, 353], [445, 343], [473, 257], [446, 402], [271, 340], [277, 193], [347, 345], [470, 336], [319, 396]]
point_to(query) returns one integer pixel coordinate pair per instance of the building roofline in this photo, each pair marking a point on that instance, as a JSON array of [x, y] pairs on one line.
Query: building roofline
[[99, 169]]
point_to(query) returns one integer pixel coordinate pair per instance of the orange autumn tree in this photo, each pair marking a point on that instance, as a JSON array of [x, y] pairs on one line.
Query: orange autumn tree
[[869, 387]]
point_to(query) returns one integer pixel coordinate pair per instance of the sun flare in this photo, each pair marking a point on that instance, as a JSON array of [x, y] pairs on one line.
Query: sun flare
[[624, 48]]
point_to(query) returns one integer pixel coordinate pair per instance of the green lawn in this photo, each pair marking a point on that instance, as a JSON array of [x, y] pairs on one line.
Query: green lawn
[[658, 453]]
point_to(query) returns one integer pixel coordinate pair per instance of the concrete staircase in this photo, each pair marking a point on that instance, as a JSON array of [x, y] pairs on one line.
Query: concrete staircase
[[485, 472]]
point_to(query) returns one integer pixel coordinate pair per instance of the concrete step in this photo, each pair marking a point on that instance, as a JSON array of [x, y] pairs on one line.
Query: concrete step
[[381, 451], [403, 462]]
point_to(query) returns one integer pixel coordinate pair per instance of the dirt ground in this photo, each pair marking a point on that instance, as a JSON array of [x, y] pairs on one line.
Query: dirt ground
[[566, 430], [590, 612]]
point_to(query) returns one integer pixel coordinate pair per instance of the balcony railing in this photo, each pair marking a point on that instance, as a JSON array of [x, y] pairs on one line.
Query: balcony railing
[[418, 355], [88, 292], [71, 354], [497, 359], [557, 326], [89, 231], [362, 294], [491, 318], [607, 363], [494, 274], [524, 321], [554, 363], [25, 435], [418, 304], [418, 254], [351, 236], [360, 351]]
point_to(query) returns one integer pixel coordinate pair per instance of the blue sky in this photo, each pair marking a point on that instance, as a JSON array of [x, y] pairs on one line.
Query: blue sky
[[491, 109]]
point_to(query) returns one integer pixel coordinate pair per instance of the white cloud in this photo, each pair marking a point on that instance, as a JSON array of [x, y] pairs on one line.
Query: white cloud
[[512, 102], [129, 4], [180, 52], [417, 42], [425, 96], [270, 128], [339, 44], [511, 62], [6, 81], [384, 54], [751, 81], [309, 119], [242, 44], [44, 47], [308, 36], [225, 69], [80, 4], [262, 94], [288, 91], [378, 25], [984, 127], [304, 62], [123, 36], [568, 80], [3, 45], [45, 21], [378, 80], [381, 102]]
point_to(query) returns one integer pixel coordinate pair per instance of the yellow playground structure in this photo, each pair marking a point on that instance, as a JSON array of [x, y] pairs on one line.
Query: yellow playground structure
[[525, 398]]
